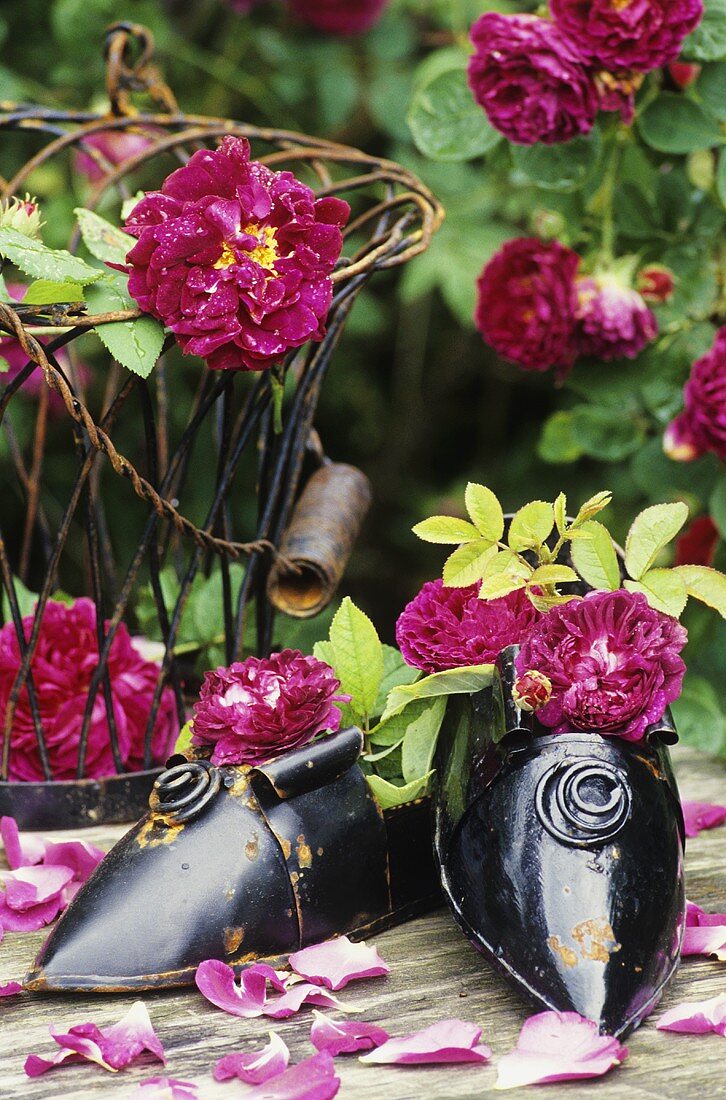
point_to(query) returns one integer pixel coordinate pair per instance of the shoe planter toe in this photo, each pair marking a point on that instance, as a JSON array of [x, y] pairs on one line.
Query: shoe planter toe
[[242, 864], [561, 857]]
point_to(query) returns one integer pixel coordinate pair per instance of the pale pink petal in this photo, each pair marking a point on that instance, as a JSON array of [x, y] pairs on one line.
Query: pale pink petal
[[29, 886], [558, 1046], [702, 815], [20, 853], [296, 996], [216, 981], [165, 1088], [30, 920], [696, 1017], [10, 989], [79, 855], [445, 1041], [705, 940], [313, 1079], [345, 1036], [336, 962], [113, 1048], [256, 1066]]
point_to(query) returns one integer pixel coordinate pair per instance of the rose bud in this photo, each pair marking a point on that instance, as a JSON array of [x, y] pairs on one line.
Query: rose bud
[[683, 73], [655, 283], [21, 214], [532, 690]]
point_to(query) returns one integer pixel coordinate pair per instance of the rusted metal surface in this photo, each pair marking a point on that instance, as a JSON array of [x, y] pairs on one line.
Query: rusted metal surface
[[316, 546], [242, 864], [396, 217]]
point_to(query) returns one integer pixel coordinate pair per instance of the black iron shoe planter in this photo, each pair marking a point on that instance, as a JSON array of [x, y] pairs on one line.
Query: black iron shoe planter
[[561, 856], [243, 863]]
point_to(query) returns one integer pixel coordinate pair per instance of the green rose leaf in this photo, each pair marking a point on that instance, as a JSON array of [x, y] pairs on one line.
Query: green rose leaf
[[446, 530], [560, 511], [717, 505], [395, 672], [592, 506], [649, 533], [137, 344], [44, 292], [388, 794], [452, 681], [563, 167], [699, 716], [446, 123], [468, 563], [26, 600], [675, 124], [553, 574], [531, 526], [704, 584], [606, 433], [721, 176], [485, 511], [558, 443], [595, 558], [500, 584], [184, 740], [358, 656], [708, 41], [663, 589], [40, 262], [102, 239], [422, 730]]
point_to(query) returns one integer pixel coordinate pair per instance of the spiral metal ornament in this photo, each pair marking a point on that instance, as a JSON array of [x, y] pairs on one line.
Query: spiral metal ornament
[[583, 804], [182, 792]]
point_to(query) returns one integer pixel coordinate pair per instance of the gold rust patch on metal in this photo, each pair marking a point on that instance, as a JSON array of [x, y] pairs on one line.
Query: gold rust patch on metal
[[252, 847], [294, 876], [567, 955], [596, 939], [240, 787], [320, 851], [232, 938], [652, 766], [157, 831], [304, 853], [286, 847]]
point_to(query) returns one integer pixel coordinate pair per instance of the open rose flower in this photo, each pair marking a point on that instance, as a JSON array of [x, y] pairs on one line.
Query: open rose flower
[[526, 303], [530, 79], [449, 627], [236, 259], [351, 17], [263, 706], [62, 667], [701, 427], [627, 34], [613, 662], [613, 320]]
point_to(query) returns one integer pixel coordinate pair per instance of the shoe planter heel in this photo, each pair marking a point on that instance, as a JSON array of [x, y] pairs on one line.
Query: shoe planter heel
[[561, 856], [242, 864]]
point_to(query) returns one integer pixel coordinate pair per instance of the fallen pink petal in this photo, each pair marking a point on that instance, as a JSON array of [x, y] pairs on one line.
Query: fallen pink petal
[[558, 1046], [312, 1079], [296, 996], [257, 1066], [20, 853], [33, 897], [10, 989], [113, 1048], [446, 1041], [696, 1017], [216, 981], [705, 933], [336, 962], [702, 815], [345, 1036], [79, 855], [165, 1088]]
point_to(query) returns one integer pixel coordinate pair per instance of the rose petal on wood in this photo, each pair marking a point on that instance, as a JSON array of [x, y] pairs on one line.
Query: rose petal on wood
[[446, 1041], [336, 962], [113, 1048], [257, 1066], [558, 1046], [312, 1079], [702, 815], [345, 1036], [696, 1017]]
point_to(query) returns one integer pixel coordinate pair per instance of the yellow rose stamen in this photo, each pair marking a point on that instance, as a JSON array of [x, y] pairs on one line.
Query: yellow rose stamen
[[264, 253]]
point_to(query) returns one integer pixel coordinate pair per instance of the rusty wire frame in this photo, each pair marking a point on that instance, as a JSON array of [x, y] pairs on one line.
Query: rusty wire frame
[[398, 225]]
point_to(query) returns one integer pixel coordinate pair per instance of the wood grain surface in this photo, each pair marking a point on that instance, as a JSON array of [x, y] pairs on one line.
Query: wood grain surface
[[434, 974]]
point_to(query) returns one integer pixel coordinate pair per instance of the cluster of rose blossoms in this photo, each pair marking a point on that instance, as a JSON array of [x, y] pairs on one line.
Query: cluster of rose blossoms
[[607, 662], [701, 427], [236, 259], [543, 80], [535, 310]]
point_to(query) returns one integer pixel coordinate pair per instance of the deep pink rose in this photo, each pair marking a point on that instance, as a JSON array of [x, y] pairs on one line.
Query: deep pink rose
[[526, 303], [701, 427], [613, 662], [114, 146], [334, 17], [449, 627], [236, 259], [530, 80], [627, 34], [613, 320], [64, 662], [11, 351], [258, 708]]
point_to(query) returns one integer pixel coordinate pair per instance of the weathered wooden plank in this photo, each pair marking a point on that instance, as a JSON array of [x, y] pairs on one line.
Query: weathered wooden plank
[[435, 974]]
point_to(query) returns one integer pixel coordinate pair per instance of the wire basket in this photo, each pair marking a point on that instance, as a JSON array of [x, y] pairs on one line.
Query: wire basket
[[143, 432]]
